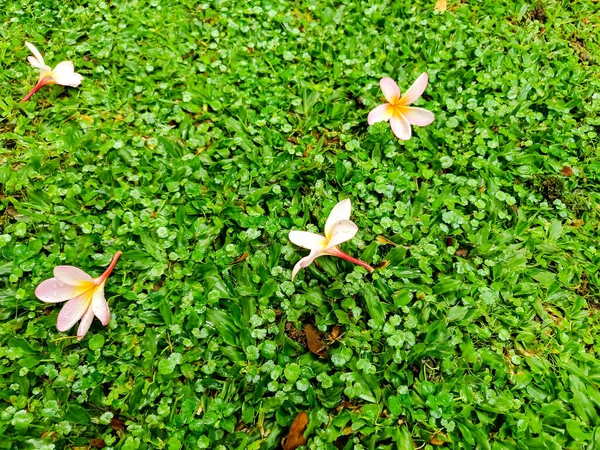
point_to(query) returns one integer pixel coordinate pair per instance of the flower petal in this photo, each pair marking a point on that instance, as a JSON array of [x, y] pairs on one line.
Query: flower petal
[[306, 261], [54, 291], [34, 62], [73, 310], [342, 231], [64, 74], [380, 113], [390, 89], [415, 91], [308, 240], [86, 322], [400, 127], [71, 275], [100, 305], [417, 116], [36, 54], [341, 211]]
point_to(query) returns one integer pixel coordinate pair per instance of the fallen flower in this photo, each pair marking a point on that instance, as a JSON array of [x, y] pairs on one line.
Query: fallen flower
[[85, 296], [338, 229], [400, 115], [63, 74]]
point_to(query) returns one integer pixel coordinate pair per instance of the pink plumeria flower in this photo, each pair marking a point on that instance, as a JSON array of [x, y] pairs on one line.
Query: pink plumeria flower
[[63, 74], [338, 228], [397, 111], [85, 296]]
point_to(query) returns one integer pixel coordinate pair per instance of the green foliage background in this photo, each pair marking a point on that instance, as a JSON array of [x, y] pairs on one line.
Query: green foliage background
[[206, 130]]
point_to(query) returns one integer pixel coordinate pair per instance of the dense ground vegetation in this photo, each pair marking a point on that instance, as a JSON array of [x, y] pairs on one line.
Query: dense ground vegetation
[[204, 132]]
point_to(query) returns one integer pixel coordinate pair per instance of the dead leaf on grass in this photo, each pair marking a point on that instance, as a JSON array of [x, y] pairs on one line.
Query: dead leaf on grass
[[313, 339], [438, 439], [296, 437], [567, 171], [383, 240], [97, 443], [242, 257]]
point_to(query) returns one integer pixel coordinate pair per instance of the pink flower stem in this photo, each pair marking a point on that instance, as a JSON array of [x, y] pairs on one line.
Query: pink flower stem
[[33, 91], [110, 268], [337, 252]]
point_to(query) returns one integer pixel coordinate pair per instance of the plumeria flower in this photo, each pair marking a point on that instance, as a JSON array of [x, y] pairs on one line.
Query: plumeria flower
[[397, 111], [338, 228], [63, 74], [85, 296]]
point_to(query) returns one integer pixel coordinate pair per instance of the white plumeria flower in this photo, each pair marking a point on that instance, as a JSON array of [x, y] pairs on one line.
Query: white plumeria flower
[[338, 228], [63, 74], [85, 296], [396, 110]]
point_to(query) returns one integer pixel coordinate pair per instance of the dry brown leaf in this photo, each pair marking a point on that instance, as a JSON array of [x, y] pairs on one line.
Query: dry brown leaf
[[383, 240], [296, 437], [437, 439], [335, 332], [117, 424], [382, 265], [313, 339], [440, 5], [240, 259], [462, 252], [97, 443], [348, 405], [576, 223], [567, 171]]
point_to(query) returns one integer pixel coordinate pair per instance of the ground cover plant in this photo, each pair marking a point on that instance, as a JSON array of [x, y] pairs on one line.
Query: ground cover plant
[[202, 133]]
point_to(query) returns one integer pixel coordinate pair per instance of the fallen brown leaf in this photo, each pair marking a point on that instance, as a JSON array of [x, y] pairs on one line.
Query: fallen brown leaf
[[117, 424], [382, 265], [335, 332], [97, 443], [296, 437], [576, 223], [241, 258], [567, 171], [440, 5], [348, 405], [437, 439], [383, 240], [462, 252], [313, 339]]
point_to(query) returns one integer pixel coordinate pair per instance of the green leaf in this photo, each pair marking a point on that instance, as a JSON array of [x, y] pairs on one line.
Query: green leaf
[[78, 414], [374, 305]]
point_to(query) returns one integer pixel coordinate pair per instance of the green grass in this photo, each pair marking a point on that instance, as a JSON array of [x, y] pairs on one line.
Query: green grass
[[205, 131]]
